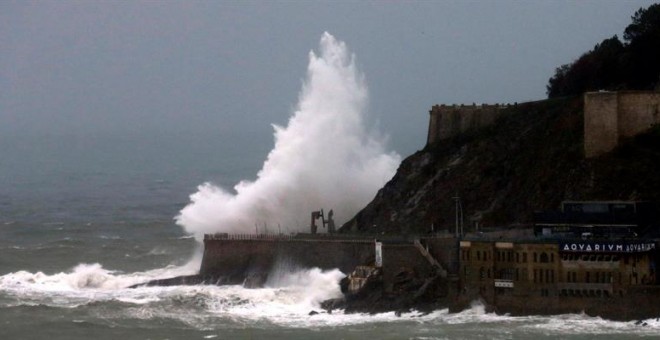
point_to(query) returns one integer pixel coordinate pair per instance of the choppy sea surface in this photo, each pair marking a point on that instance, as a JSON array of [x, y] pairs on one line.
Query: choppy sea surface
[[84, 218]]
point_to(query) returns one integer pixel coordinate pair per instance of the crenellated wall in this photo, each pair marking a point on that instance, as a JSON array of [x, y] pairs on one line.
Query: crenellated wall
[[447, 121], [609, 116]]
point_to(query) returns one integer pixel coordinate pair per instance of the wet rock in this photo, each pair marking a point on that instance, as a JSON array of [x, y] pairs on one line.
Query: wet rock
[[176, 281], [255, 280], [330, 305]]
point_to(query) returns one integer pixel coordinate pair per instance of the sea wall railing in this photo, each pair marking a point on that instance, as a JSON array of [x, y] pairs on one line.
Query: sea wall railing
[[285, 237], [361, 238]]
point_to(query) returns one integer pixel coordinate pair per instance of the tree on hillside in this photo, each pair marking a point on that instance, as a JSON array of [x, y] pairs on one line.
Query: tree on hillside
[[643, 45], [600, 68], [613, 65]]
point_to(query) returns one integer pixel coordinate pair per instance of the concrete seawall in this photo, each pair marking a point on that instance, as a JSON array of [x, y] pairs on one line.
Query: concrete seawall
[[235, 260]]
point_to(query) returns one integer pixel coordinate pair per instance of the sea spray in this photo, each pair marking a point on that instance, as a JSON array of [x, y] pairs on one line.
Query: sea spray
[[308, 287], [88, 277], [324, 158]]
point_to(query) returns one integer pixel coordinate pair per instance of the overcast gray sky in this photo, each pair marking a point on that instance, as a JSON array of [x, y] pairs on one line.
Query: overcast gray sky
[[221, 68]]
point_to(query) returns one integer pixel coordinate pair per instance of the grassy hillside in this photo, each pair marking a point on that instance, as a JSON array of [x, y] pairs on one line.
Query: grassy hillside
[[531, 159]]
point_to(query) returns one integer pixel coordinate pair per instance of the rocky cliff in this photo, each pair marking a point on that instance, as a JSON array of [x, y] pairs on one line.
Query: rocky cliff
[[530, 159]]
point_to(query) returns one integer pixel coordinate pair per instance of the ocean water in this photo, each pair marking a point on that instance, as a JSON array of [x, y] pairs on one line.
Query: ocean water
[[83, 218]]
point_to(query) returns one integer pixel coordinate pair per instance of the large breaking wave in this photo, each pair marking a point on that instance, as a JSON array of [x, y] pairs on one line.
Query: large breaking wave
[[324, 158]]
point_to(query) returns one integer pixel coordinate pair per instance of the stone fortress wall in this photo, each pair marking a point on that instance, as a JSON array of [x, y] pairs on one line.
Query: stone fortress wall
[[610, 116], [447, 121]]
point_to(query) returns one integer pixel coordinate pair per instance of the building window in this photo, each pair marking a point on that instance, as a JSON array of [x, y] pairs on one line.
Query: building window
[[552, 257], [506, 274], [535, 260], [517, 257], [524, 257], [586, 277], [482, 273], [478, 255], [544, 258]]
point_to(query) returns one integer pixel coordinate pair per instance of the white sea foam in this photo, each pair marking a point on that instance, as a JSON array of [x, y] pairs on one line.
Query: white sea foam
[[82, 278], [289, 298], [584, 324], [324, 158], [285, 302], [89, 278], [109, 237], [158, 251]]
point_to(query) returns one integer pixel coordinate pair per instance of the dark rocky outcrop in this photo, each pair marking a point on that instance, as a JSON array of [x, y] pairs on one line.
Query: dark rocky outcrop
[[409, 292], [530, 159]]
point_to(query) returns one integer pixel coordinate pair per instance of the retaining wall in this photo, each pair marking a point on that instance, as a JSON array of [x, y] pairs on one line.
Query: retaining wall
[[232, 260]]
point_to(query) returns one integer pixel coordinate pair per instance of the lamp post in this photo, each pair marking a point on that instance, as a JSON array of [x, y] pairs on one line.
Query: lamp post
[[459, 215]]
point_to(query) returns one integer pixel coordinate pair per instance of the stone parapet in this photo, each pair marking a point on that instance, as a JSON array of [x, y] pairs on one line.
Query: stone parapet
[[447, 121]]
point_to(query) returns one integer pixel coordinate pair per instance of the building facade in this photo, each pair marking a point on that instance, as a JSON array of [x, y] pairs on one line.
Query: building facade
[[566, 270], [608, 278]]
